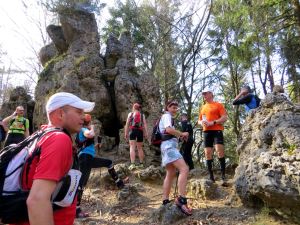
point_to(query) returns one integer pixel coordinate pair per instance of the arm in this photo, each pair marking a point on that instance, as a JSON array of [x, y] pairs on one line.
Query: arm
[[89, 133], [145, 128], [177, 133], [26, 128], [39, 206], [239, 99], [9, 118], [221, 120], [127, 127]]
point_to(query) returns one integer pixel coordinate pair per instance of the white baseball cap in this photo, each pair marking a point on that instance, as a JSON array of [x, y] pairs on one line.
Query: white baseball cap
[[207, 89], [61, 99]]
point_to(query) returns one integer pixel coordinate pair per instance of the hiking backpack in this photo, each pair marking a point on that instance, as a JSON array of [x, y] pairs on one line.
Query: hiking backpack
[[136, 120], [13, 158], [80, 145], [2, 133], [156, 138], [257, 99]]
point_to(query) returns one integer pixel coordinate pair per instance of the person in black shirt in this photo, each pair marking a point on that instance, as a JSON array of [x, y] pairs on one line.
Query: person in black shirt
[[186, 147], [246, 97]]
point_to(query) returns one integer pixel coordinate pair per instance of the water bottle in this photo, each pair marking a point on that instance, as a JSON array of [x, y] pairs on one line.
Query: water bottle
[[204, 117]]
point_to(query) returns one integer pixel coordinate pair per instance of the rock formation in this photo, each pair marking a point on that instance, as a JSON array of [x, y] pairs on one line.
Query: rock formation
[[111, 81], [18, 96], [269, 157]]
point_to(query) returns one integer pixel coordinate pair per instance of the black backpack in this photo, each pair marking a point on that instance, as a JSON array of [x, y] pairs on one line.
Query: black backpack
[[2, 133], [257, 99], [13, 208], [156, 137], [80, 145]]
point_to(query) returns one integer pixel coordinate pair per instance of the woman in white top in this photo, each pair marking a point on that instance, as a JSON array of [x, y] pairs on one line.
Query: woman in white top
[[172, 159], [135, 130]]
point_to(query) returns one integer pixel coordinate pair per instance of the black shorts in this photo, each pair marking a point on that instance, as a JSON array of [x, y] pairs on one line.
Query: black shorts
[[212, 137], [136, 135]]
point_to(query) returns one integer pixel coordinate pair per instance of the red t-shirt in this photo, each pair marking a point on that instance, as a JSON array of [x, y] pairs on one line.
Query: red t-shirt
[[53, 164]]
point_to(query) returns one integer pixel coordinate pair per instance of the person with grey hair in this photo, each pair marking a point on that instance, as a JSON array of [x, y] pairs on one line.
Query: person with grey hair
[[212, 116], [65, 112], [246, 97]]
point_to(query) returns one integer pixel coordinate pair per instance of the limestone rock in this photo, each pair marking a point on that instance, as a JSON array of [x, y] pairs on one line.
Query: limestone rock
[[166, 214], [57, 36], [47, 53], [269, 153], [203, 188], [112, 81], [151, 173]]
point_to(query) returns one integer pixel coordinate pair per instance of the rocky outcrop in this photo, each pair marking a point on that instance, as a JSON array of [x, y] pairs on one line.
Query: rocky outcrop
[[111, 81], [269, 157], [57, 36], [47, 53], [18, 97]]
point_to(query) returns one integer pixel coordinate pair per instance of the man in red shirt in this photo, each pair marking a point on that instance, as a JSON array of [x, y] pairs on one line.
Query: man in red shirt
[[212, 116], [65, 111]]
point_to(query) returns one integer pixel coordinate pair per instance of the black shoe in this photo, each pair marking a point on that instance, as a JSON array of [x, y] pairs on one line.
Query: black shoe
[[211, 177], [120, 184], [166, 201], [224, 183]]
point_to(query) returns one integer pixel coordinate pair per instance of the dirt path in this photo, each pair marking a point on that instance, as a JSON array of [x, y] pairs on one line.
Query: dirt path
[[100, 200]]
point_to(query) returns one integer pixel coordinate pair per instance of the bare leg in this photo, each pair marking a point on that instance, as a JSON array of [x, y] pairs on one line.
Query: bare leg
[[171, 172], [139, 146], [183, 175], [132, 145]]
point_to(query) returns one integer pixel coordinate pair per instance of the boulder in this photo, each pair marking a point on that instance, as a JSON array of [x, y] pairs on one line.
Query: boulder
[[203, 188], [112, 81], [47, 53], [166, 214], [151, 173], [57, 36], [269, 157]]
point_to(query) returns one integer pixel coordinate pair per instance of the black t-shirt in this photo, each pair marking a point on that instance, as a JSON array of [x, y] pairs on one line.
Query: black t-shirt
[[186, 126]]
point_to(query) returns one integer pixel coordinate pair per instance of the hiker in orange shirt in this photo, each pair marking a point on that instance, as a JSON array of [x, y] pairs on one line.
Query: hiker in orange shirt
[[211, 117]]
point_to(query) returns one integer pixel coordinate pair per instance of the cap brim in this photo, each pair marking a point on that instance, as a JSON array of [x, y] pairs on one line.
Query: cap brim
[[85, 105]]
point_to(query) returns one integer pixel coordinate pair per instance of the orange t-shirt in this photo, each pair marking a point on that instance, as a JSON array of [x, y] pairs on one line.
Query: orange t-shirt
[[212, 111]]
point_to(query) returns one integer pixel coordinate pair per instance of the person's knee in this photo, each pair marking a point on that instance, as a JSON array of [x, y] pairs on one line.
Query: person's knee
[[184, 169]]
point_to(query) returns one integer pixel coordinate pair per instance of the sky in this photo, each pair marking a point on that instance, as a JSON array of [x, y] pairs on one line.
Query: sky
[[23, 34]]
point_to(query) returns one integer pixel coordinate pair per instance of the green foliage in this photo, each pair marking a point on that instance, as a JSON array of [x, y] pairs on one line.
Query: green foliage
[[63, 6]]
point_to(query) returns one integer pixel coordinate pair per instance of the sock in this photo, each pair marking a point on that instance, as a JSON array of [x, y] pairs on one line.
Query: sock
[[209, 168], [113, 173], [222, 165]]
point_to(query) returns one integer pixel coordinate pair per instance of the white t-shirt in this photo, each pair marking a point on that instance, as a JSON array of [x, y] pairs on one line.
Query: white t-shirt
[[165, 121]]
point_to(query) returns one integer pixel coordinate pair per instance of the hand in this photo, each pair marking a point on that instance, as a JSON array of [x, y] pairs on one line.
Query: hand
[[184, 136], [15, 113], [207, 123], [243, 92]]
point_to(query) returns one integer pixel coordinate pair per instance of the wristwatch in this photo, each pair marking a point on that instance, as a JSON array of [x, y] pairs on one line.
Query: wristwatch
[[215, 122]]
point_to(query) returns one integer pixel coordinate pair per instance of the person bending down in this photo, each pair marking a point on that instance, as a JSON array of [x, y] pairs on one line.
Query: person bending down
[[87, 161]]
